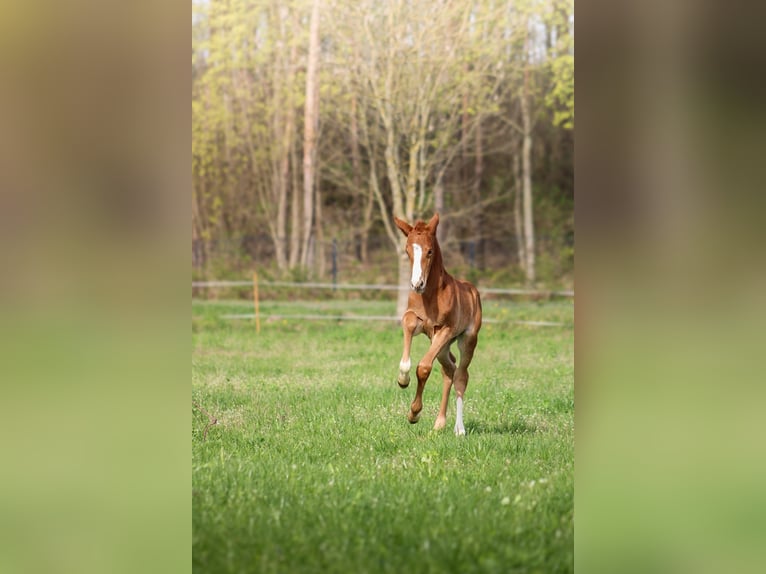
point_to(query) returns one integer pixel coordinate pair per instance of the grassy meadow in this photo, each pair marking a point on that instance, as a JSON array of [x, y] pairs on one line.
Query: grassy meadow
[[313, 466]]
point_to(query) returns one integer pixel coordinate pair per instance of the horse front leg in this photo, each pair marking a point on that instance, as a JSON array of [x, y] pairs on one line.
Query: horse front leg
[[440, 340], [411, 326]]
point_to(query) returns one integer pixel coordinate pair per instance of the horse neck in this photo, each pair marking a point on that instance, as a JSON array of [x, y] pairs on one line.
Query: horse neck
[[437, 273]]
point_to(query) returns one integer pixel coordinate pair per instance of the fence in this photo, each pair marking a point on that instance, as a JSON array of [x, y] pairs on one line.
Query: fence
[[255, 283], [373, 287]]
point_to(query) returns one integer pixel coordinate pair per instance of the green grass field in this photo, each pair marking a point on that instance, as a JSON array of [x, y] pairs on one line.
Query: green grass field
[[313, 466]]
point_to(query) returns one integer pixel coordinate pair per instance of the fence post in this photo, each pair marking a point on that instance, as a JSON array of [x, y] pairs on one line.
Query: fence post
[[256, 303]]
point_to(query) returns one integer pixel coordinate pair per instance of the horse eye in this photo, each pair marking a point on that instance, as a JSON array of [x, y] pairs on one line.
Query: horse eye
[[429, 252]]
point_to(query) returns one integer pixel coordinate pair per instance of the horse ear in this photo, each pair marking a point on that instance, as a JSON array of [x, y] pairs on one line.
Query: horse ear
[[403, 226], [434, 223]]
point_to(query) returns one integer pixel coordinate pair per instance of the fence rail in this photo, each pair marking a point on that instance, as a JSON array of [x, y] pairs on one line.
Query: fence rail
[[370, 287], [391, 318]]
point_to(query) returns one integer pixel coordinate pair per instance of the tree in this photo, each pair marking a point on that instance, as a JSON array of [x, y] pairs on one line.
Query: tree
[[526, 168], [311, 121], [243, 119], [411, 79], [426, 105]]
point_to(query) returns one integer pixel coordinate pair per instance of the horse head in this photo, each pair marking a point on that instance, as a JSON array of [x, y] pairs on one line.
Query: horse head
[[422, 249]]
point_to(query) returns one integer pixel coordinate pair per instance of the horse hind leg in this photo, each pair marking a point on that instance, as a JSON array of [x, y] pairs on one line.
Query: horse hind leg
[[447, 361], [467, 345]]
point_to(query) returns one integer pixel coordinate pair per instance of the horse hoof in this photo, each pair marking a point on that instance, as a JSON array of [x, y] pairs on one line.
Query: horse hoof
[[440, 424], [459, 431], [403, 382], [413, 418]]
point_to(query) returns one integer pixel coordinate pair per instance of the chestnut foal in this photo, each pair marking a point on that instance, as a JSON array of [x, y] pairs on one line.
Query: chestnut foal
[[446, 310]]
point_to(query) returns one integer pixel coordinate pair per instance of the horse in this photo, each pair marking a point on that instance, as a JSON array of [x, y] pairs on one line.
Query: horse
[[446, 310]]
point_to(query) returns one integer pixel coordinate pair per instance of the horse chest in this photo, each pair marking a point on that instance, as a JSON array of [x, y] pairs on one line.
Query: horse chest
[[430, 313], [431, 325]]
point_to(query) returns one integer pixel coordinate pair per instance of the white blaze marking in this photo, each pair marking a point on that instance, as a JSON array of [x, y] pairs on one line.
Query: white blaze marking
[[417, 254]]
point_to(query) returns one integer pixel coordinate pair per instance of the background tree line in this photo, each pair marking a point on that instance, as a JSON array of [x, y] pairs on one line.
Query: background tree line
[[315, 120]]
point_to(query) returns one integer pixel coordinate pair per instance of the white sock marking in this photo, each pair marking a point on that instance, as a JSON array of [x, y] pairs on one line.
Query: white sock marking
[[404, 366], [459, 428], [417, 254]]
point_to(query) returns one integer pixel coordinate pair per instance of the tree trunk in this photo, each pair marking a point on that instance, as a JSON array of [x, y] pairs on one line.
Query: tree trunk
[[526, 166], [404, 284], [282, 132], [441, 231], [279, 181], [310, 130], [403, 206], [288, 150], [281, 229], [478, 223], [295, 210], [366, 225], [320, 242], [358, 201], [518, 225]]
